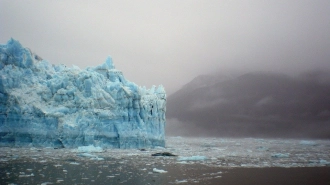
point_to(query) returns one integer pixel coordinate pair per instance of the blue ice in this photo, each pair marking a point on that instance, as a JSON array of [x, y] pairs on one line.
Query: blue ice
[[58, 106]]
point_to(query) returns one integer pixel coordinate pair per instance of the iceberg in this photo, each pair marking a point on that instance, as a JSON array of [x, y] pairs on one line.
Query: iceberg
[[45, 105]]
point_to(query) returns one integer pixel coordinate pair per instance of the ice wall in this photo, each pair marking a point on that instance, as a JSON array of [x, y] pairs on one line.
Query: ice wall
[[53, 105]]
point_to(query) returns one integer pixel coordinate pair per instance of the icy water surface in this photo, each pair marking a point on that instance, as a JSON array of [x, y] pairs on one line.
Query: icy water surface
[[198, 161]]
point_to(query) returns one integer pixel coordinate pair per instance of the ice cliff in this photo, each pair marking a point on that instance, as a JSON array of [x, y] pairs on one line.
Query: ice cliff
[[53, 105]]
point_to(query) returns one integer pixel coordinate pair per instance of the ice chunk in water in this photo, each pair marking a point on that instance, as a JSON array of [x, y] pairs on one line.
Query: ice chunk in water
[[280, 155], [306, 142], [159, 170], [192, 158], [89, 148]]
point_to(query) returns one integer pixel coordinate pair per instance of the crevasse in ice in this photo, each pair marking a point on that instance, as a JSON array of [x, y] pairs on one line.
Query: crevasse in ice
[[53, 105]]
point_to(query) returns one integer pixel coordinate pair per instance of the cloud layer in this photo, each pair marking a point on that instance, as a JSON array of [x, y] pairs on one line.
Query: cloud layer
[[170, 42]]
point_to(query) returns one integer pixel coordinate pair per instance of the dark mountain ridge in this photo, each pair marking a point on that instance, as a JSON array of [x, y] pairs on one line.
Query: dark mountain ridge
[[256, 104]]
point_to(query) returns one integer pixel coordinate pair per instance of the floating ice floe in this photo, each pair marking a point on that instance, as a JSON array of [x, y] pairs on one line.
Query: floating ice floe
[[192, 158], [265, 153], [89, 148], [74, 163], [322, 161], [46, 183], [97, 158], [280, 155], [307, 142], [86, 155], [159, 170], [180, 181], [262, 148], [26, 175]]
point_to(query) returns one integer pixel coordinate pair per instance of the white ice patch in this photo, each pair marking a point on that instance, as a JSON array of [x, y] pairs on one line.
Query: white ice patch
[[180, 181], [86, 155], [90, 148], [280, 155], [306, 142], [192, 158], [159, 170], [46, 183]]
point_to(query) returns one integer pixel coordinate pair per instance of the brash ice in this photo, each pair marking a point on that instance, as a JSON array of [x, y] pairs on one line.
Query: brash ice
[[52, 105]]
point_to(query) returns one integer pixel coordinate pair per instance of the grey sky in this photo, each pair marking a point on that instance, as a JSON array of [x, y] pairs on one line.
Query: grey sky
[[170, 42]]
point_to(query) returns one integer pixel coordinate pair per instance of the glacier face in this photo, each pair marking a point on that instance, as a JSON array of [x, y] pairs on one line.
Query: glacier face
[[52, 105]]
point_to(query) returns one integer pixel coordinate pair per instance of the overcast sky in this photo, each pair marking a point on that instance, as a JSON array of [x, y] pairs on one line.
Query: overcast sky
[[170, 42]]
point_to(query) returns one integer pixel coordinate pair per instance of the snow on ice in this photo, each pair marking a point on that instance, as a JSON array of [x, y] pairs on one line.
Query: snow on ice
[[56, 106]]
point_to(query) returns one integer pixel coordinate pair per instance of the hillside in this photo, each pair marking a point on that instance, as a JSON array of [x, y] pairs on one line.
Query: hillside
[[253, 105]]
